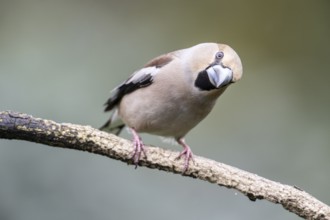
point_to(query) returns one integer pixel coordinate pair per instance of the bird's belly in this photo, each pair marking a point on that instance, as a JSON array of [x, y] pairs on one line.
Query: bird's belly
[[165, 116]]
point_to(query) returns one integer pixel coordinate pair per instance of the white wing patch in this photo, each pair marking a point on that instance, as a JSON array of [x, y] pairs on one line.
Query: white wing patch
[[141, 74]]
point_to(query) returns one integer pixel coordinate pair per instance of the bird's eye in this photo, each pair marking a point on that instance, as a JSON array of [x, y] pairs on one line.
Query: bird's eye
[[219, 55]]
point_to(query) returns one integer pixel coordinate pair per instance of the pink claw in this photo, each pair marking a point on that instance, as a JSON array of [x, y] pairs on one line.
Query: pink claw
[[187, 153], [138, 148]]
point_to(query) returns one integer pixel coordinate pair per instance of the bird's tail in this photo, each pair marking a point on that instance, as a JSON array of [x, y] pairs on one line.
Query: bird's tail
[[114, 125]]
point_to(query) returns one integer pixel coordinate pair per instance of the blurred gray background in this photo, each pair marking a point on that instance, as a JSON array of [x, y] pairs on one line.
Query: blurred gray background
[[60, 59]]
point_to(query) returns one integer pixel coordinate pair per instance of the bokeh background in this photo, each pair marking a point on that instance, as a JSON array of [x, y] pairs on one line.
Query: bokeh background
[[59, 59]]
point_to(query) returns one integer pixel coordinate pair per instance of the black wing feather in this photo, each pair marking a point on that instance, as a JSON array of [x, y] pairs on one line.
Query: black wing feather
[[126, 88]]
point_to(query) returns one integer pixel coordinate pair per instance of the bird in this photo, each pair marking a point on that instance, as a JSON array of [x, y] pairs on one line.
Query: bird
[[171, 94]]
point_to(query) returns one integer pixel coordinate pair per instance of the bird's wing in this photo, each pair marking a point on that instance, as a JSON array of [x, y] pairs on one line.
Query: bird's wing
[[139, 79]]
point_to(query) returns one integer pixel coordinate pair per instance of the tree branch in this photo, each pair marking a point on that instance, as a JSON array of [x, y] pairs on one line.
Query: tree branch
[[21, 126]]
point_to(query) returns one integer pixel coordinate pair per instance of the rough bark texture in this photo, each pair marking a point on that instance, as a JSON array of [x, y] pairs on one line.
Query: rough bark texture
[[20, 126]]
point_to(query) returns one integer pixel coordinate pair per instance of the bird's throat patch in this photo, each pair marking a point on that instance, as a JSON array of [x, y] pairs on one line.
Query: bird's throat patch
[[203, 82]]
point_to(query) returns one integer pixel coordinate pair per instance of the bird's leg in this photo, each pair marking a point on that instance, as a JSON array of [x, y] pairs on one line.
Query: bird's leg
[[138, 147], [187, 153]]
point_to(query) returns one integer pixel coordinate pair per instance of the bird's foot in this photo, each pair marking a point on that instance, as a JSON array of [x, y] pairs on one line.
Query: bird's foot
[[187, 153], [138, 148]]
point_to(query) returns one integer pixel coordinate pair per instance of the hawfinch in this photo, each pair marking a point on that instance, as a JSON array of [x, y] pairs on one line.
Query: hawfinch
[[172, 93]]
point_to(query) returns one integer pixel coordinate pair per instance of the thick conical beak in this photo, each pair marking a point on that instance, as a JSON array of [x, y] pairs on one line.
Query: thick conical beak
[[219, 76]]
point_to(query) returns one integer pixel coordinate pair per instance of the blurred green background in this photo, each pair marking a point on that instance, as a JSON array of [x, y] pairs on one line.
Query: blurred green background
[[59, 60]]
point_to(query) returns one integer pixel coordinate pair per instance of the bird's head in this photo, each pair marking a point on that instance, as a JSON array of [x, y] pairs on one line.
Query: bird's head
[[214, 66]]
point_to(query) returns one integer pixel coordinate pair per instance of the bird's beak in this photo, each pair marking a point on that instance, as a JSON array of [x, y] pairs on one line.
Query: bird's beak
[[219, 75]]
